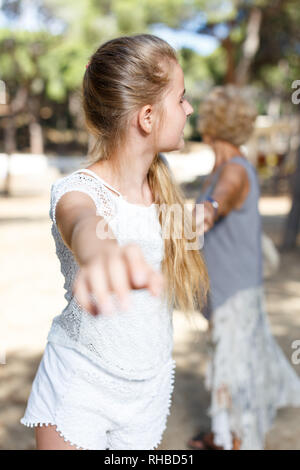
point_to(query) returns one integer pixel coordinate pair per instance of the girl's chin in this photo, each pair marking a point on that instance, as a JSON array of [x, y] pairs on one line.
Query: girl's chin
[[179, 146], [181, 143]]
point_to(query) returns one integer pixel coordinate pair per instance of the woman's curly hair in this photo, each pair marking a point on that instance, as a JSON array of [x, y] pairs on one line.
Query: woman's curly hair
[[227, 114]]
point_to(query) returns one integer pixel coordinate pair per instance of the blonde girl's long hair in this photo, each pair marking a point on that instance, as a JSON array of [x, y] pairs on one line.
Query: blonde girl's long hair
[[123, 75]]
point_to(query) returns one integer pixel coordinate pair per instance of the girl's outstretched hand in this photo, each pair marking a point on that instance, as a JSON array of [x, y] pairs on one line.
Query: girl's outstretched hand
[[115, 269]]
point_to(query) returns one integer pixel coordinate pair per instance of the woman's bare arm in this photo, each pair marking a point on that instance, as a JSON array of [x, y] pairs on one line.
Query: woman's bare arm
[[105, 266], [230, 192]]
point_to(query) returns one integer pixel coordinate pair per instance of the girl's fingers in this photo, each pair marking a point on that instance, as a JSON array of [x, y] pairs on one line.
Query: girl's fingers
[[98, 284], [121, 272], [156, 282], [118, 276], [80, 291], [137, 267], [141, 274]]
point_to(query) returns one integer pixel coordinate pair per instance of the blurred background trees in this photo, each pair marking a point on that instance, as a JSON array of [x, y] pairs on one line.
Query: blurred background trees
[[45, 45], [257, 44]]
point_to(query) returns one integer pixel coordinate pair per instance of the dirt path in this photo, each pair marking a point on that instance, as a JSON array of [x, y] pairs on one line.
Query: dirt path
[[32, 294]]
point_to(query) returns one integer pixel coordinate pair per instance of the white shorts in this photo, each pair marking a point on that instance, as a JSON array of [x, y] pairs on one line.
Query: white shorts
[[94, 409]]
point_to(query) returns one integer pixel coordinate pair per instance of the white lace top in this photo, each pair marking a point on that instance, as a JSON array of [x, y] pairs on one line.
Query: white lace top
[[136, 343]]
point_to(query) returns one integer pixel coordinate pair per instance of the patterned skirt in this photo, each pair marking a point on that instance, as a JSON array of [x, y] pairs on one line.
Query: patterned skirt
[[247, 373]]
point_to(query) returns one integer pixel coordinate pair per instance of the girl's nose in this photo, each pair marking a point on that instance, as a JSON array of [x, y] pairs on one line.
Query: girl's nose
[[189, 109]]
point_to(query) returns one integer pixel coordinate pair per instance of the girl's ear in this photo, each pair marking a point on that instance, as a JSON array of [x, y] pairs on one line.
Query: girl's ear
[[145, 118]]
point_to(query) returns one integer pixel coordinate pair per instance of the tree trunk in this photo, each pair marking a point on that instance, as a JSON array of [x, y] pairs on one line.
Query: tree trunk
[[293, 219], [10, 145], [35, 128], [230, 71], [9, 148], [75, 109], [250, 46], [36, 137]]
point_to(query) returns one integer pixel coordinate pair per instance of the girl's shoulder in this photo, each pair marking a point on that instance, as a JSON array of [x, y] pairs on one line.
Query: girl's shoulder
[[78, 181], [88, 184], [76, 177]]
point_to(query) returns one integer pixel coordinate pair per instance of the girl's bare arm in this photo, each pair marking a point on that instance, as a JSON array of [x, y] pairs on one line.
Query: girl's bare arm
[[105, 266]]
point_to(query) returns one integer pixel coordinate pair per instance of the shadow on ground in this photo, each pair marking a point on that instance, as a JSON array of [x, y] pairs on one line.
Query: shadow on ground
[[16, 377]]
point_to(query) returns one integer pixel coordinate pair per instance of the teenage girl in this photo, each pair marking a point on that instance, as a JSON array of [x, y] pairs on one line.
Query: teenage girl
[[106, 376]]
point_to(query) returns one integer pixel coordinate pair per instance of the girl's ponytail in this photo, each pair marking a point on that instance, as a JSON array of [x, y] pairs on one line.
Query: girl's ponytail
[[184, 270]]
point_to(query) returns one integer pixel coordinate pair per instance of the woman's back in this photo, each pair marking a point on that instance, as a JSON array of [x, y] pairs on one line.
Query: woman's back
[[232, 248]]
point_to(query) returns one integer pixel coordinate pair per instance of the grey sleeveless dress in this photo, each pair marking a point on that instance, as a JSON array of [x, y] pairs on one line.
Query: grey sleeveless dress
[[247, 373], [234, 244]]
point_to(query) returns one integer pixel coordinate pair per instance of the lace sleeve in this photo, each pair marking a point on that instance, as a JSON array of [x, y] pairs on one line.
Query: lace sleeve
[[86, 184]]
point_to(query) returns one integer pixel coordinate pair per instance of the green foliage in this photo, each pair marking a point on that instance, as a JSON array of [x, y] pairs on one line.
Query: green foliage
[[131, 16], [52, 65]]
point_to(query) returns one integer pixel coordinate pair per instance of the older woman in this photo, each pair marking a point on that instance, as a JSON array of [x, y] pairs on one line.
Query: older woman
[[248, 375]]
